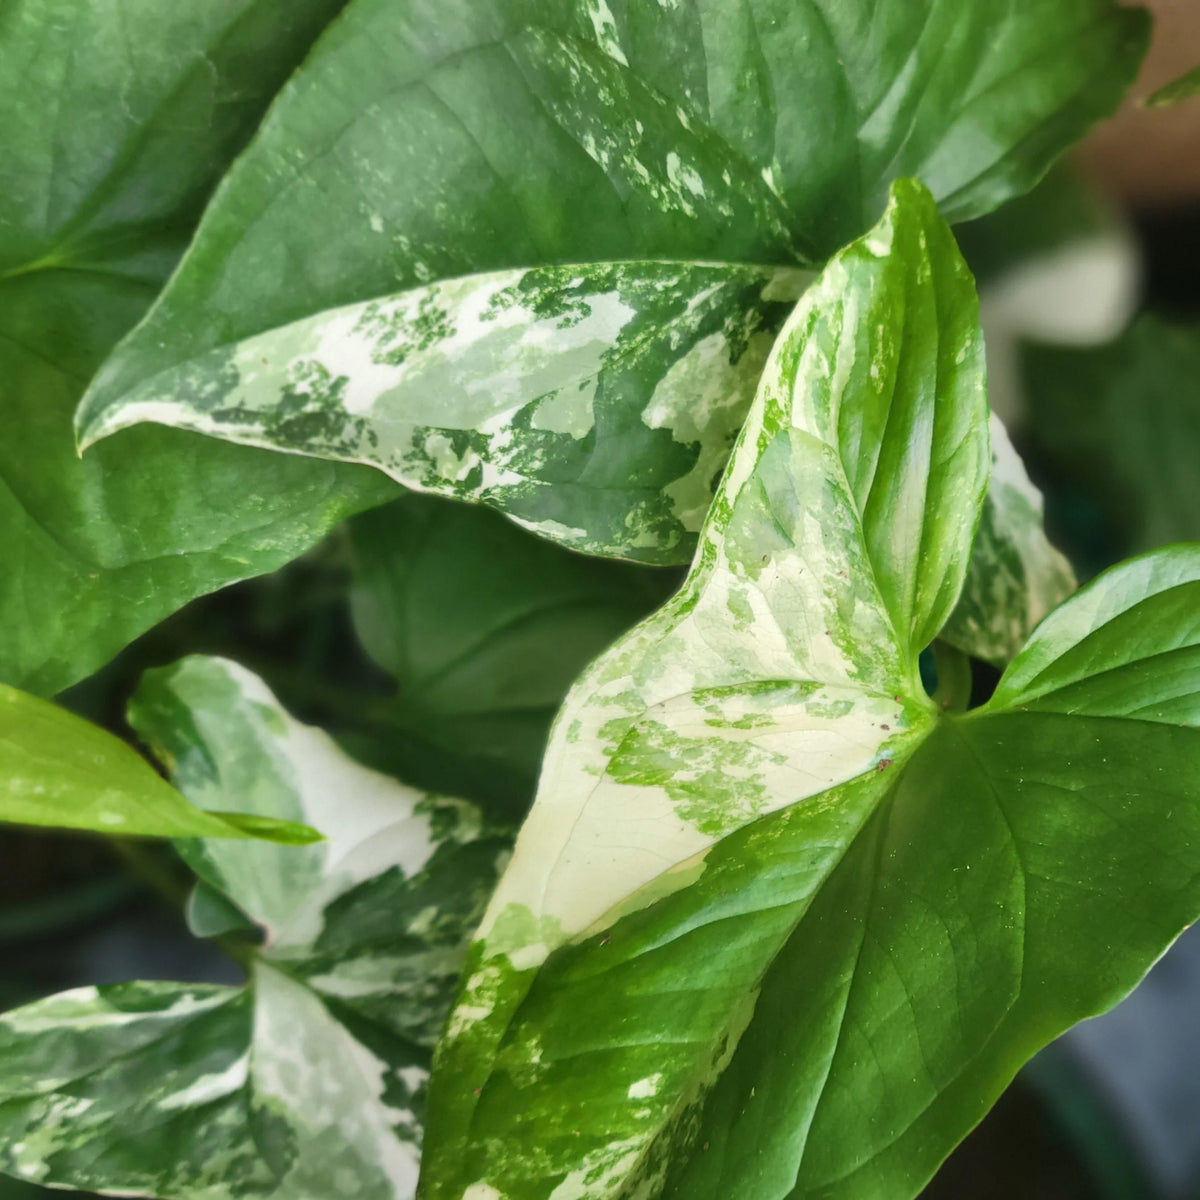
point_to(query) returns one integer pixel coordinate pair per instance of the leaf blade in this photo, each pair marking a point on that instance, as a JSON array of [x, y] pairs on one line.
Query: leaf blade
[[1016, 575], [581, 365], [311, 1080], [59, 770], [100, 191], [681, 145], [696, 719]]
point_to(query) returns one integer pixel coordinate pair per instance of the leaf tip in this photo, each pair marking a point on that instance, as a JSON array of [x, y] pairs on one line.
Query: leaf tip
[[270, 829]]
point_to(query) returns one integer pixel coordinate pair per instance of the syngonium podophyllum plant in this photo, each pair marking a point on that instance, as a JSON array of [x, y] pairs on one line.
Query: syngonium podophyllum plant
[[780, 922]]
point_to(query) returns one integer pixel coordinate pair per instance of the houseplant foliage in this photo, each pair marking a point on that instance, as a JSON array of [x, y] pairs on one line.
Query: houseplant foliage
[[862, 912], [779, 922], [303, 1081]]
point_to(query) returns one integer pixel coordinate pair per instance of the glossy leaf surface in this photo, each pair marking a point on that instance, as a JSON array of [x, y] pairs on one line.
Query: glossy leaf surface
[[310, 1081], [594, 404], [113, 141], [422, 143], [777, 927], [59, 770]]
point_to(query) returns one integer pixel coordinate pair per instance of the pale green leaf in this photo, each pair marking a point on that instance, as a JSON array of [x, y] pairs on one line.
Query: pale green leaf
[[310, 1081], [777, 927], [422, 143], [1016, 575], [1183, 88], [120, 118], [59, 770]]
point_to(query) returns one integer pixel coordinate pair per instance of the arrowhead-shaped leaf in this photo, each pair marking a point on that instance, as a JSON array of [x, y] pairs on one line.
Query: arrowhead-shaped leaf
[[776, 926], [119, 121], [423, 143], [309, 1081]]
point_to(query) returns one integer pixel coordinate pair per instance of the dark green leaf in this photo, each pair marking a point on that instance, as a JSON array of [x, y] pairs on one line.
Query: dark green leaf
[[120, 120], [778, 927], [483, 626], [1122, 424], [423, 142]]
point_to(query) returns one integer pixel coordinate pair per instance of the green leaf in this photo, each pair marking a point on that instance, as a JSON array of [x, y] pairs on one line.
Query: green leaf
[[595, 405], [1121, 423], [419, 144], [58, 770], [777, 927], [1183, 88], [1016, 575], [786, 666], [309, 1081], [141, 110], [484, 628]]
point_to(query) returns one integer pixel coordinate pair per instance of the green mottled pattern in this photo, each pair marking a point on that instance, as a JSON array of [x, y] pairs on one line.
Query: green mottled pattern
[[784, 671], [424, 142], [1016, 575], [594, 404], [828, 989], [310, 1081]]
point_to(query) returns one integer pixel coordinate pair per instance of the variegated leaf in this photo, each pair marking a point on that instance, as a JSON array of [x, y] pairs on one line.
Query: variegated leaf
[[786, 668], [422, 143], [778, 927], [309, 1081], [1016, 575], [594, 404]]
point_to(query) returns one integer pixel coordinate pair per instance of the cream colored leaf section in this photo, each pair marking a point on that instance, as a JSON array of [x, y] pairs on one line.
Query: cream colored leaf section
[[775, 674], [561, 395], [335, 1091]]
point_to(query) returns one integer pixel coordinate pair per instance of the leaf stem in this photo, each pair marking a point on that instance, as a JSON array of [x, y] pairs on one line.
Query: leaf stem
[[149, 870], [953, 667], [146, 867]]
